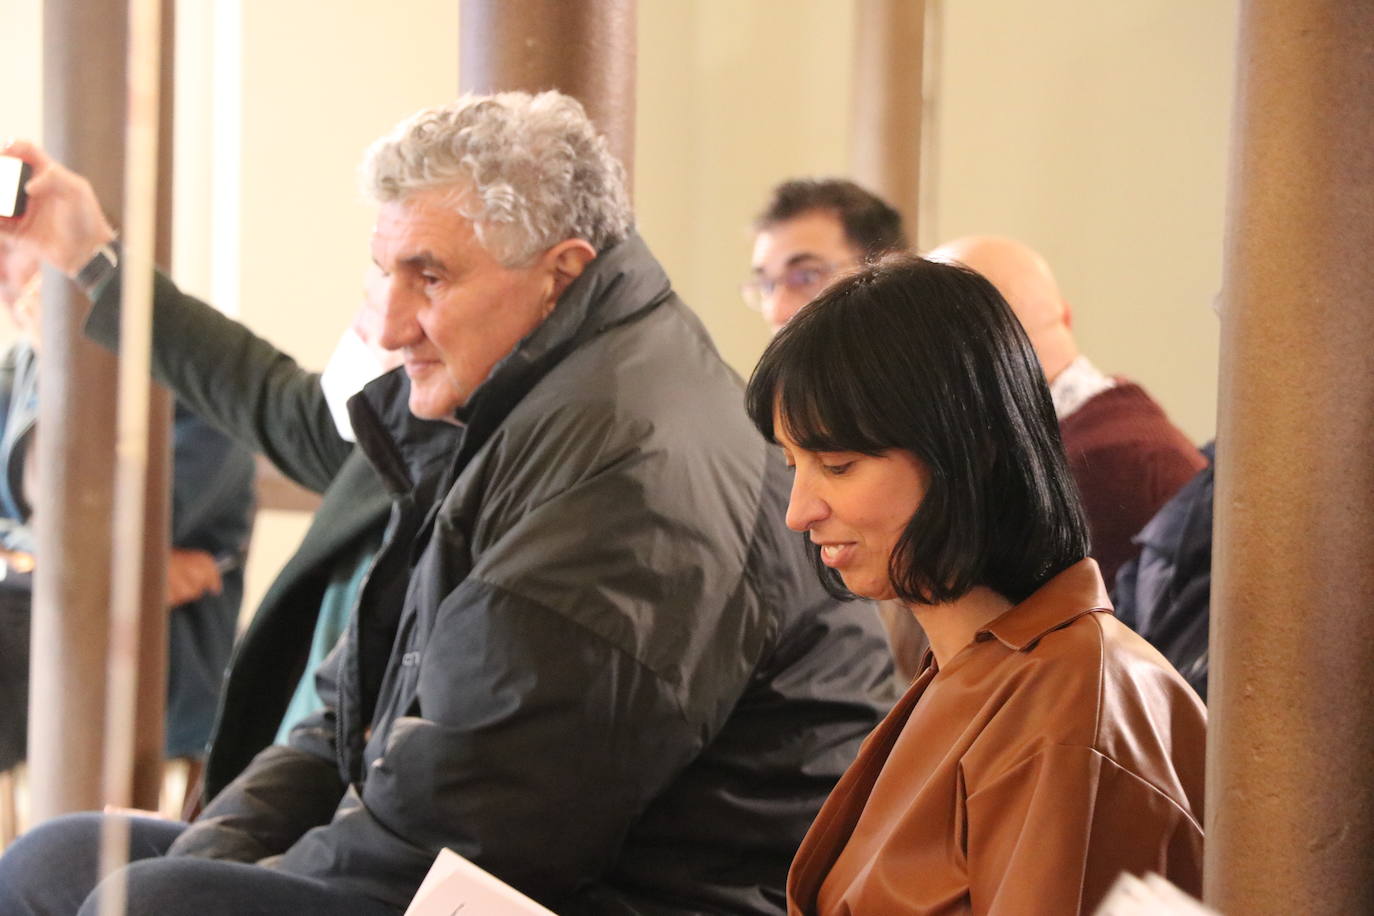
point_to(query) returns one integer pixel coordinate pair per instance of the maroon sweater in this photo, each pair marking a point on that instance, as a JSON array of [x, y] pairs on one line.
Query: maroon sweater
[[1127, 459]]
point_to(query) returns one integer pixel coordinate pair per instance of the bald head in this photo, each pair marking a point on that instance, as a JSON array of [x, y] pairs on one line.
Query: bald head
[[1026, 282]]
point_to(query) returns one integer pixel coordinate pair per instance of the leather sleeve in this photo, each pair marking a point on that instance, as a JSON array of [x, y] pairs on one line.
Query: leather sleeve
[[1051, 834]]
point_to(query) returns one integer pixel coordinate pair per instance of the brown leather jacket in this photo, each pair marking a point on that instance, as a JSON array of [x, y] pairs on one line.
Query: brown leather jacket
[[1055, 751]]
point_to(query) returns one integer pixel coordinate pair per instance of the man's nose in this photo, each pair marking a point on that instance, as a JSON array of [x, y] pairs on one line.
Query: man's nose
[[779, 306], [398, 316], [804, 508]]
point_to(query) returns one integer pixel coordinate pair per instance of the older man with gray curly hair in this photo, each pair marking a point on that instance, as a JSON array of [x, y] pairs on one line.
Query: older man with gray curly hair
[[588, 657]]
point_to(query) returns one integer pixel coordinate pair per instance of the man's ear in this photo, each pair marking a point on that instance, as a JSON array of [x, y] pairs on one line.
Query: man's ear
[[566, 261]]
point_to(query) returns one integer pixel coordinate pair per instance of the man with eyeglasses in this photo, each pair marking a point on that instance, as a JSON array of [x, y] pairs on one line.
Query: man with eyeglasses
[[811, 231]]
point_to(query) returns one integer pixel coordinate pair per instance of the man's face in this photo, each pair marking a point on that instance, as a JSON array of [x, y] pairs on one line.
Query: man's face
[[450, 307], [797, 258]]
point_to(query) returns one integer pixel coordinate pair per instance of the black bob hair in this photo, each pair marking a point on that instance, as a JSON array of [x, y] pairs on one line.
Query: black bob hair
[[927, 357]]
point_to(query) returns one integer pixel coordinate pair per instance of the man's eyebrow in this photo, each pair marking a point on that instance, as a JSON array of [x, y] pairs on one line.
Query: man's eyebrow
[[801, 256], [424, 260], [798, 258]]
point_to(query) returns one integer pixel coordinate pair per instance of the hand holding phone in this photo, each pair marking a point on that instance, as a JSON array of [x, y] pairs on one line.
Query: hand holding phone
[[14, 175], [62, 222]]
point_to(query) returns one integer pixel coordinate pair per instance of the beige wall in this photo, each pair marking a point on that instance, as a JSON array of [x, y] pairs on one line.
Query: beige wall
[[732, 97], [316, 89], [1095, 132]]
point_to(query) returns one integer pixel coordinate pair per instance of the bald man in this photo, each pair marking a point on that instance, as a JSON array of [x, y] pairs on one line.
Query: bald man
[[1126, 456]]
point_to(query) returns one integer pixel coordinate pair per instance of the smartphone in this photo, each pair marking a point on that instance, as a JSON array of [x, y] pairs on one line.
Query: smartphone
[[14, 174]]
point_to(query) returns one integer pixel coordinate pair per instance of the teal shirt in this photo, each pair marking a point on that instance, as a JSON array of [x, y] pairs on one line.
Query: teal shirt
[[340, 597]]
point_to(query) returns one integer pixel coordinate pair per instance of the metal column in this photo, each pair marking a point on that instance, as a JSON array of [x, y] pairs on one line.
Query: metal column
[[84, 116], [1290, 807], [585, 49], [886, 126]]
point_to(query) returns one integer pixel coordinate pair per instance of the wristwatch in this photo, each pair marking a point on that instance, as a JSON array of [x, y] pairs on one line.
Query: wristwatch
[[99, 270]]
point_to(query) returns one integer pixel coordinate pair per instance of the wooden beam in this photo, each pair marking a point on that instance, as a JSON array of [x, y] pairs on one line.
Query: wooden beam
[[887, 103], [585, 49]]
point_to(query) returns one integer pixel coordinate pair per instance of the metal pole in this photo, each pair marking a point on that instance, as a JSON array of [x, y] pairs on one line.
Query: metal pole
[[586, 49], [150, 722], [886, 127], [1290, 808], [130, 581], [84, 99], [83, 114]]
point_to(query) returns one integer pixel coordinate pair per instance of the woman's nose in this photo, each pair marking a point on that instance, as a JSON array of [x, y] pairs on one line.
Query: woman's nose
[[805, 508]]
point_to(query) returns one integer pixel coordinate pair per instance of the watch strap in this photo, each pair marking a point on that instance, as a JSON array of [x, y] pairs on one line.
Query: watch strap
[[99, 270]]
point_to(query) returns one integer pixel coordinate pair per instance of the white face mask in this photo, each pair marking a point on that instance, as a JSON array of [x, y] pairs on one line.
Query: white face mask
[[352, 365]]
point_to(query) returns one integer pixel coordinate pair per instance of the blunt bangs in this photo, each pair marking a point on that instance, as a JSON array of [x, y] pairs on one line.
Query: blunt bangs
[[806, 378]]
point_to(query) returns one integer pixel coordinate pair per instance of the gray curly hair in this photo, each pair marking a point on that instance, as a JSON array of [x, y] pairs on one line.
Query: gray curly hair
[[530, 171]]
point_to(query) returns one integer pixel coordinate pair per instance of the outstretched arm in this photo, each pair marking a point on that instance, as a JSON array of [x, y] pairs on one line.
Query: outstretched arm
[[242, 384]]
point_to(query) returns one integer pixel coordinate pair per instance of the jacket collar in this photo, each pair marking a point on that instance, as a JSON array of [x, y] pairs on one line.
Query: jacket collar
[[616, 287], [1070, 594]]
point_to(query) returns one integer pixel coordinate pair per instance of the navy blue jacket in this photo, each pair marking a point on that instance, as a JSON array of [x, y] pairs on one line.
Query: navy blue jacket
[[1165, 594]]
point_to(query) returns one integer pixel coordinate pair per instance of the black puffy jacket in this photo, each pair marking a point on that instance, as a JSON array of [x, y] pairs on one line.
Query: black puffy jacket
[[589, 656]]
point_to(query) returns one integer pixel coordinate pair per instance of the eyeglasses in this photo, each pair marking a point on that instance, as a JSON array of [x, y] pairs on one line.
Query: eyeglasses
[[802, 280]]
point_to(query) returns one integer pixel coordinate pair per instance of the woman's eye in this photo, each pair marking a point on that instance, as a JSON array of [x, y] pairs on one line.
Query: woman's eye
[[837, 470]]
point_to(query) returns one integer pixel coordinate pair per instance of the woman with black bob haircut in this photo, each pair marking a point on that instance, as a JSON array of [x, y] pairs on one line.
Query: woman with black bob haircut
[[1044, 748]]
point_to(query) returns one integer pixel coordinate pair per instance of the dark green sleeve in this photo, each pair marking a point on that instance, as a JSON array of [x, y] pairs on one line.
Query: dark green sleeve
[[235, 380]]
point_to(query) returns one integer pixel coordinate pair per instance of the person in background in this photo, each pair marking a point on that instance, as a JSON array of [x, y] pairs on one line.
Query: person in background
[[1125, 454], [1045, 747], [1164, 593], [811, 231], [212, 510]]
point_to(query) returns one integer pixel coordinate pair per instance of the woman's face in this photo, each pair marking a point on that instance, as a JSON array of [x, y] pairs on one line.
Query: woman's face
[[855, 507]]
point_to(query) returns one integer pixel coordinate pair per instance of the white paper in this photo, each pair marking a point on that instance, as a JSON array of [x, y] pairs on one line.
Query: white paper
[[456, 887], [1152, 896]]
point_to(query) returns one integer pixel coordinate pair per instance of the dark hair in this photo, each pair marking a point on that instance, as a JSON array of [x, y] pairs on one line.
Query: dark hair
[[927, 357], [870, 224]]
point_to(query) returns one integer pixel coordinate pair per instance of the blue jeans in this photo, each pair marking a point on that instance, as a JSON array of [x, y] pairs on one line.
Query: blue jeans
[[52, 869]]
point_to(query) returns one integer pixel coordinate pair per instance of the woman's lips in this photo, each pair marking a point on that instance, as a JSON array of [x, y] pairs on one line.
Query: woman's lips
[[836, 555]]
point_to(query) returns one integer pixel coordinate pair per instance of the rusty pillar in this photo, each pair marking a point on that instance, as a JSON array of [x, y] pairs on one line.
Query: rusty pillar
[[150, 710], [1290, 807], [585, 49], [84, 115], [885, 146]]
